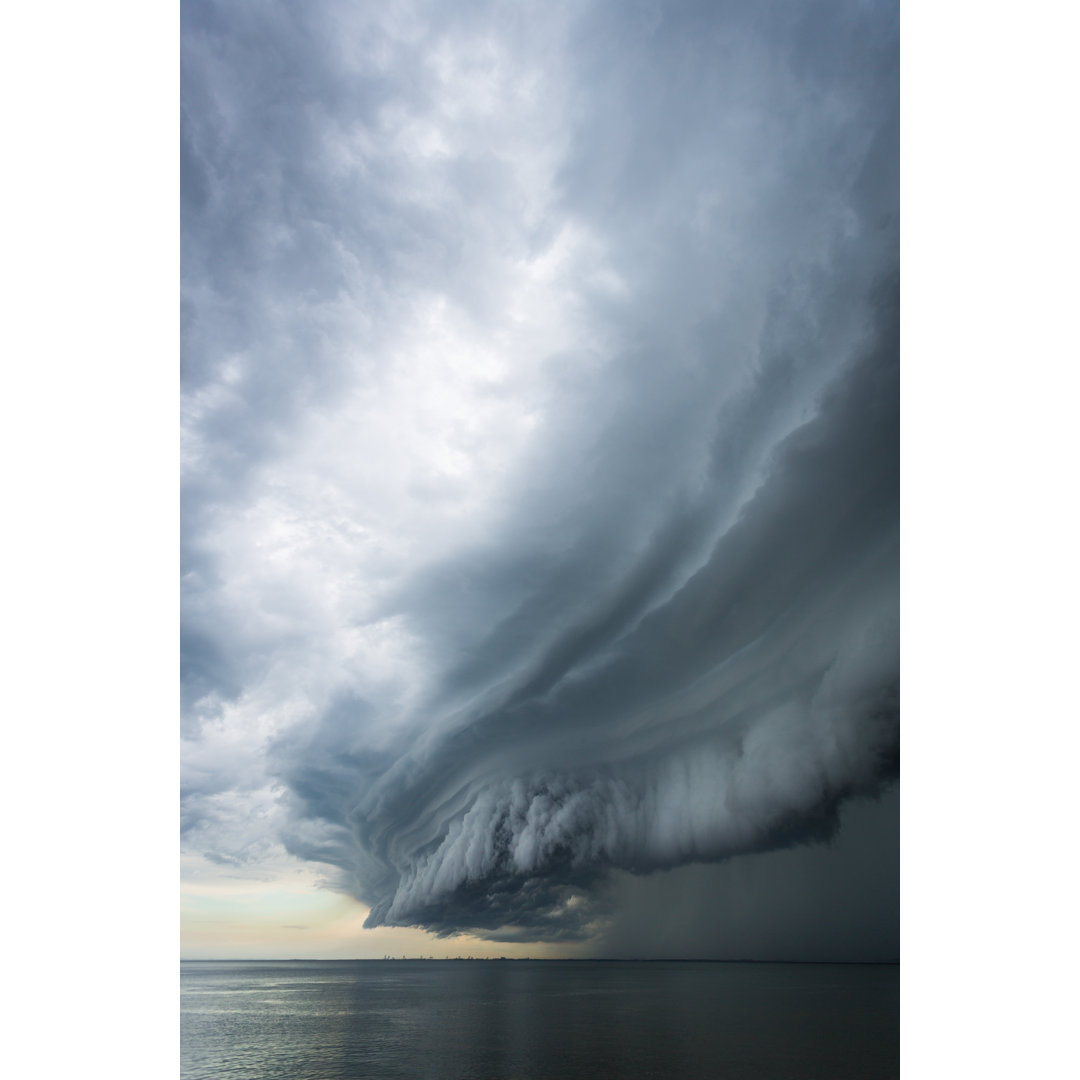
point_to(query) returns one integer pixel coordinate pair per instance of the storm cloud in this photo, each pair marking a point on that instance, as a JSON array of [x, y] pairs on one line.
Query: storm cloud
[[541, 410]]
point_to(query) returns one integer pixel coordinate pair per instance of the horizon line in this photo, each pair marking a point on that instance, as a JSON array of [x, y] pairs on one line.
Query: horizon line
[[509, 959]]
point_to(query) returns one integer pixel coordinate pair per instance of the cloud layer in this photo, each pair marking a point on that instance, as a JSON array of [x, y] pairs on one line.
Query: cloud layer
[[541, 442]]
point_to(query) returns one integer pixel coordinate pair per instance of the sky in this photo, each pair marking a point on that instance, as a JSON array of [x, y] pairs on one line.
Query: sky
[[540, 479]]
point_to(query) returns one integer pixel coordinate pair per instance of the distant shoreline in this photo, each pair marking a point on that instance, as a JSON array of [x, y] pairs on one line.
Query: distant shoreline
[[524, 959]]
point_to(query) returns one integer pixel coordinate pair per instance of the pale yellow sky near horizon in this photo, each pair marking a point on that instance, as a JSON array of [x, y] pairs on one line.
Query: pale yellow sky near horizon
[[293, 916]]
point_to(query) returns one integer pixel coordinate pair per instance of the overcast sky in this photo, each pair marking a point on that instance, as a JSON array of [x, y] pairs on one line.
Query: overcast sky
[[540, 478]]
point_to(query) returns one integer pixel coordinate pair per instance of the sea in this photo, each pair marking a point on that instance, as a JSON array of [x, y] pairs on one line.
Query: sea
[[537, 1020]]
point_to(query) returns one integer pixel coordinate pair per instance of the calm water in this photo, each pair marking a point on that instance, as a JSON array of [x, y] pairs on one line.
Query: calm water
[[415, 1019]]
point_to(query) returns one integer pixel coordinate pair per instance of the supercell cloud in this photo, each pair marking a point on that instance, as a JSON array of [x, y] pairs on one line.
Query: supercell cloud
[[540, 421]]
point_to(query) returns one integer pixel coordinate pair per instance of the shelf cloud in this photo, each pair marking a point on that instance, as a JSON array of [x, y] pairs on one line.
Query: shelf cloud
[[541, 443]]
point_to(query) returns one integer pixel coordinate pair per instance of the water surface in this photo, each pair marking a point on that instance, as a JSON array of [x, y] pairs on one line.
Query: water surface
[[536, 1020]]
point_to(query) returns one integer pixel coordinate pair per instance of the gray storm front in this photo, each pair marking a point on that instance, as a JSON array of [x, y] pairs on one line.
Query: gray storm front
[[540, 401]]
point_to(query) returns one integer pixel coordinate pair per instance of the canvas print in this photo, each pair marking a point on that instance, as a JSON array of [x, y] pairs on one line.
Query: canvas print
[[539, 538]]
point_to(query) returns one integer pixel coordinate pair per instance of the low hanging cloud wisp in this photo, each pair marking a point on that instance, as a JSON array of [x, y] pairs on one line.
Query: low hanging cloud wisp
[[541, 429]]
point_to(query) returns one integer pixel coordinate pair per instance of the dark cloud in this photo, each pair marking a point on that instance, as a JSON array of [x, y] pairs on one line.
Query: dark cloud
[[660, 629], [733, 717], [838, 901]]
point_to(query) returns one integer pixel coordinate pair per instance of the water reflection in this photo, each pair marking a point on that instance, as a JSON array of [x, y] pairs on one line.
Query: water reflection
[[543, 1019]]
